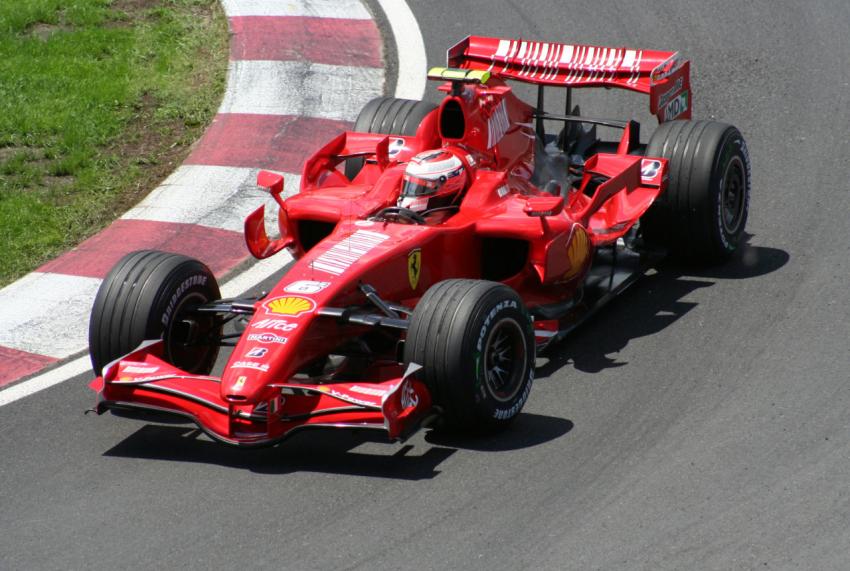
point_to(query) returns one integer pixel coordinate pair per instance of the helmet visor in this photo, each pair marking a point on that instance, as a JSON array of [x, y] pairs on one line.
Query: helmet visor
[[415, 186]]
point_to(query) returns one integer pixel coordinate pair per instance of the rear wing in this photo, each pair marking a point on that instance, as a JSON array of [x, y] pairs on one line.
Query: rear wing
[[664, 76]]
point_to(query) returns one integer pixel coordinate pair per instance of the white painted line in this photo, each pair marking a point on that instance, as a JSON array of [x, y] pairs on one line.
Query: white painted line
[[300, 88], [352, 9], [410, 47], [46, 380], [47, 314], [213, 196]]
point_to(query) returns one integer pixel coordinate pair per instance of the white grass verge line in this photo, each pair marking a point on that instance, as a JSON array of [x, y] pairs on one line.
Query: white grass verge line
[[412, 64], [410, 47], [246, 280]]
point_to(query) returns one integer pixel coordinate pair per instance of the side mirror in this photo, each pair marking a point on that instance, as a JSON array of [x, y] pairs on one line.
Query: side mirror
[[256, 237], [273, 183], [544, 205]]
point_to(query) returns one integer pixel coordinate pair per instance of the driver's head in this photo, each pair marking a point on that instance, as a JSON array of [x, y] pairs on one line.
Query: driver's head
[[432, 179]]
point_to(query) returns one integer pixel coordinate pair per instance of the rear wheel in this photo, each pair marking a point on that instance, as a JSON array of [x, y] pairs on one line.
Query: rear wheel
[[475, 342], [702, 215], [389, 116], [150, 295]]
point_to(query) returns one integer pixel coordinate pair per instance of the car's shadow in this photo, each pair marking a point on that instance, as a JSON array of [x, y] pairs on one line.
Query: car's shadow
[[335, 450], [653, 303]]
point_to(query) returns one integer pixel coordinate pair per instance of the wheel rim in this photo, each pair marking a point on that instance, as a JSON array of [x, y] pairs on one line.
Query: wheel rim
[[733, 196], [184, 346], [504, 360]]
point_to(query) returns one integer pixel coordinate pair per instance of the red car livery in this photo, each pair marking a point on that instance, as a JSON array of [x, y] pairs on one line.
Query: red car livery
[[397, 313]]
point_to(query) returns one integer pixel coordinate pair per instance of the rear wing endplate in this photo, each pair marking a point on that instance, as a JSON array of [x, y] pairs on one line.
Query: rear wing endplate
[[664, 76]]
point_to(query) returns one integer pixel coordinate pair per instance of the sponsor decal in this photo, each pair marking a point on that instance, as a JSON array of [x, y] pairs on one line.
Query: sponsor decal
[[276, 403], [368, 391], [240, 382], [578, 252], [672, 64], [197, 280], [139, 370], [250, 365], [414, 267], [502, 191], [490, 316], [364, 223], [395, 146], [309, 286], [409, 398], [292, 305], [676, 107], [665, 97], [649, 169], [274, 324], [505, 413], [257, 353], [343, 396], [344, 253], [266, 338]]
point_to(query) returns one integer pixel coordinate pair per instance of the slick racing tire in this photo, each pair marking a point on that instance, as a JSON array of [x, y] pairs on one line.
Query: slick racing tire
[[475, 342], [702, 215], [388, 116], [149, 295]]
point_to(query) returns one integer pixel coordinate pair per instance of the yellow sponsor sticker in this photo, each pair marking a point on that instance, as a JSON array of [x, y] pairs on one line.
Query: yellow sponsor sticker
[[292, 305]]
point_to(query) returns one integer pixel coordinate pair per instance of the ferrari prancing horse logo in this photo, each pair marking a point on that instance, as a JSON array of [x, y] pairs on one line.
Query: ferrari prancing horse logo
[[414, 267]]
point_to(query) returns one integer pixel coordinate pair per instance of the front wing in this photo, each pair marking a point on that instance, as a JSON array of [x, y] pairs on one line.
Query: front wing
[[143, 382]]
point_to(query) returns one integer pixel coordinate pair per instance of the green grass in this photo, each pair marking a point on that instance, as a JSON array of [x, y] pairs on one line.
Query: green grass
[[99, 100]]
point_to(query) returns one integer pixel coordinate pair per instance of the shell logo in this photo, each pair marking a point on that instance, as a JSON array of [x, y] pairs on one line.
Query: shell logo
[[578, 252], [292, 305]]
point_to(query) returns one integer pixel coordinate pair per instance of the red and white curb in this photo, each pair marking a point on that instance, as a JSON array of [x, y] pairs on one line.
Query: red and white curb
[[300, 71]]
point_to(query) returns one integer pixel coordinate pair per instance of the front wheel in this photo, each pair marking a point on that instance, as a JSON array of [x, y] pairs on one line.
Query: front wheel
[[475, 342], [151, 295]]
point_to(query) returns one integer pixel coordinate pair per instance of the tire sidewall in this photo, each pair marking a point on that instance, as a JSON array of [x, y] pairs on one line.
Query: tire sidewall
[[495, 308], [189, 284], [732, 147], [182, 283]]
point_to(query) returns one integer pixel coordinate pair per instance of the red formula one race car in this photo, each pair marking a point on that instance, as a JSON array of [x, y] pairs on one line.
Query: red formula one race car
[[437, 249]]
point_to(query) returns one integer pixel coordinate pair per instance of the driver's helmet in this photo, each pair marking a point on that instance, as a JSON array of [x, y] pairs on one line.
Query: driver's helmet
[[432, 179]]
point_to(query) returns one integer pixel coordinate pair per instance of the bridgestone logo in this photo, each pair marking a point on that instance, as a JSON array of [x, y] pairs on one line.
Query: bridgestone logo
[[506, 413], [193, 281], [341, 255]]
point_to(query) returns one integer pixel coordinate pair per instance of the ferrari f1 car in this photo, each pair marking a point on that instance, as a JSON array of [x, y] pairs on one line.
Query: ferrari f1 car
[[437, 249]]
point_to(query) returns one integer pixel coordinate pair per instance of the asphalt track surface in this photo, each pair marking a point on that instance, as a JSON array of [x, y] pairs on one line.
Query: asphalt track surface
[[699, 422]]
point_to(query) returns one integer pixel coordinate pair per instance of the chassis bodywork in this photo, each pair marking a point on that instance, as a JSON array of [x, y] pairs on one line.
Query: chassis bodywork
[[322, 348]]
